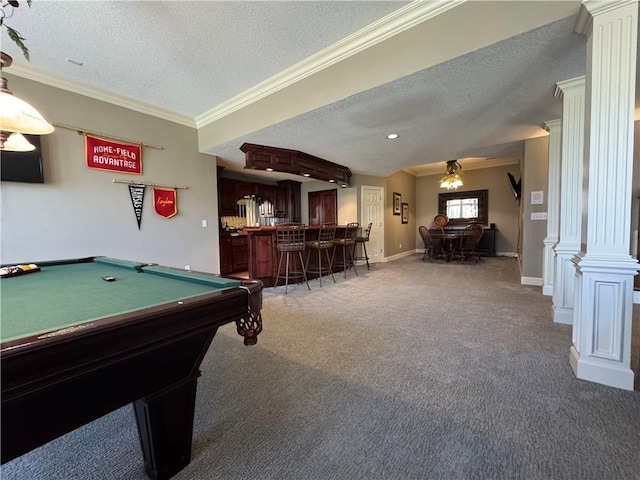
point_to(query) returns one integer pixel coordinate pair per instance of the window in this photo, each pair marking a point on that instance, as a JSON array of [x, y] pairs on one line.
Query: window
[[465, 207]]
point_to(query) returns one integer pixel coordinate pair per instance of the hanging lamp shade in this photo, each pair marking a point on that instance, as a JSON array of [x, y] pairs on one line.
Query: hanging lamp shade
[[452, 177], [16, 115], [15, 142]]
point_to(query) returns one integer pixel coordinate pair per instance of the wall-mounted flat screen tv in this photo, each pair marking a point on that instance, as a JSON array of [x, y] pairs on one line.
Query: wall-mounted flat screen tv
[[23, 166], [515, 186]]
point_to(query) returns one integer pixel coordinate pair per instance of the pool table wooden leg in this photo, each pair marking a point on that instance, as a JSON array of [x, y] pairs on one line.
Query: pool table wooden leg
[[165, 426]]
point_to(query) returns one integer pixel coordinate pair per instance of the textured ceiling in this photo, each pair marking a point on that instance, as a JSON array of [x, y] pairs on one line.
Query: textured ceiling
[[185, 56], [479, 105], [189, 57]]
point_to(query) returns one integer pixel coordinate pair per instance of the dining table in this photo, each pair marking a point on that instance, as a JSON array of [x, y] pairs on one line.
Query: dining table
[[449, 238]]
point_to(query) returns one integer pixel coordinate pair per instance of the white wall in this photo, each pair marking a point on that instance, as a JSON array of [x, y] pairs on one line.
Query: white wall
[[79, 211]]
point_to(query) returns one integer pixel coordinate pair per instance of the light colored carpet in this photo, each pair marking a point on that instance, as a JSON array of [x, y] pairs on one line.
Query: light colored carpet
[[412, 370]]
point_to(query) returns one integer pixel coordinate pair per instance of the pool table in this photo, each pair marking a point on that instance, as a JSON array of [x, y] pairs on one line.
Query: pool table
[[83, 337]]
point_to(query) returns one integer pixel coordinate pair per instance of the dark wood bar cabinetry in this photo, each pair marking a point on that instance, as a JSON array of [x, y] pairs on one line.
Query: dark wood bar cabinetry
[[263, 254], [263, 157], [284, 198], [234, 253], [280, 203]]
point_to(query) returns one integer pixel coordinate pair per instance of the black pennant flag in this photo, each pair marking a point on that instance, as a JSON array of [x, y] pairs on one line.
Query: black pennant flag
[[137, 197]]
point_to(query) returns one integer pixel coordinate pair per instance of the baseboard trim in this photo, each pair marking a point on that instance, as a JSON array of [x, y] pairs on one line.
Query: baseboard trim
[[563, 315], [535, 281], [398, 256], [593, 370]]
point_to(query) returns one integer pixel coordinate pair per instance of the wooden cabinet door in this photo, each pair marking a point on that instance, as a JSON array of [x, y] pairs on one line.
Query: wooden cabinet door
[[227, 197], [240, 249], [226, 255], [245, 189], [323, 207], [292, 197], [280, 203]]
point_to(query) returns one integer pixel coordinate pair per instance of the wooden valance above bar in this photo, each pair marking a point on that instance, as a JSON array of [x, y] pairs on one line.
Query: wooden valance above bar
[[262, 157]]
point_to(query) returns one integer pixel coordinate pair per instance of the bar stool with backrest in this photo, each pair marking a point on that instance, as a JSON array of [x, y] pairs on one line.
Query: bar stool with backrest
[[363, 241], [289, 241], [347, 243], [326, 235]]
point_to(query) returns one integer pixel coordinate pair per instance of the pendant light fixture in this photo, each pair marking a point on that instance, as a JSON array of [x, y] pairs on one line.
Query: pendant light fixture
[[452, 178], [15, 142], [16, 115]]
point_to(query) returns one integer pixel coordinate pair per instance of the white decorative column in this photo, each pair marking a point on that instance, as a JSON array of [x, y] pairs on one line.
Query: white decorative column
[[554, 127], [572, 94], [601, 350]]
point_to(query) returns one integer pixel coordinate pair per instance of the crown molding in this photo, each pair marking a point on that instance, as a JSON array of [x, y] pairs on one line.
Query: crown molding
[[466, 163], [397, 22], [36, 75]]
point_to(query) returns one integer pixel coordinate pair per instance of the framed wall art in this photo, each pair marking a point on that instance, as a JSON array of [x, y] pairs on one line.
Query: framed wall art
[[396, 203], [405, 213]]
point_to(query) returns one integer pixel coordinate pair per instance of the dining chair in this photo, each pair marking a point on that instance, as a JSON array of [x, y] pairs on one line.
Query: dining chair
[[433, 246], [469, 241]]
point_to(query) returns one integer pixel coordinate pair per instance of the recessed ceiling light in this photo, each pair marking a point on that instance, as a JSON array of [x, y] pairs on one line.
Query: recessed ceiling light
[[331, 180], [392, 136], [269, 169], [306, 174]]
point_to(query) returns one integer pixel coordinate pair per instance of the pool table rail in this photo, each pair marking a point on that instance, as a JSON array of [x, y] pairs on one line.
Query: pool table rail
[[55, 382]]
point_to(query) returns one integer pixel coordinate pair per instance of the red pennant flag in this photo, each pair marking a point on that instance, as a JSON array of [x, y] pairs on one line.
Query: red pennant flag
[[165, 202]]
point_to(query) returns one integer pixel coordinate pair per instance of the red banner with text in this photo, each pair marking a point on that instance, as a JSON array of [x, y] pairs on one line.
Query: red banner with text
[[113, 156], [165, 202]]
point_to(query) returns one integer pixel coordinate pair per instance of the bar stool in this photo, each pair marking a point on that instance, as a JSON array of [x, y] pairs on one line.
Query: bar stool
[[326, 235], [363, 240], [290, 240], [347, 244]]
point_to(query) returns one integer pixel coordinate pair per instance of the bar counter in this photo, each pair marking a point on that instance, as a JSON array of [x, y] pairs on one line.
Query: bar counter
[[264, 255]]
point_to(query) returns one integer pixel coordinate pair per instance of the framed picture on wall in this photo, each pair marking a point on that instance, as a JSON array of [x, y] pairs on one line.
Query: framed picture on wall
[[396, 203], [405, 213]]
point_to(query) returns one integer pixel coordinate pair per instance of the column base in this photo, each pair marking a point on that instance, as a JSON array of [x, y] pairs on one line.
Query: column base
[[563, 315], [601, 372]]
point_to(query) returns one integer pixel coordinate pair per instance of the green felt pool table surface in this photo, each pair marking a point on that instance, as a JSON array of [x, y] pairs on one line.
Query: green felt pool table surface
[[76, 347], [71, 292]]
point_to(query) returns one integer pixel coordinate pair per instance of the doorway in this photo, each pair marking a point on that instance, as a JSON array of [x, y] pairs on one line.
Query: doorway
[[372, 211]]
